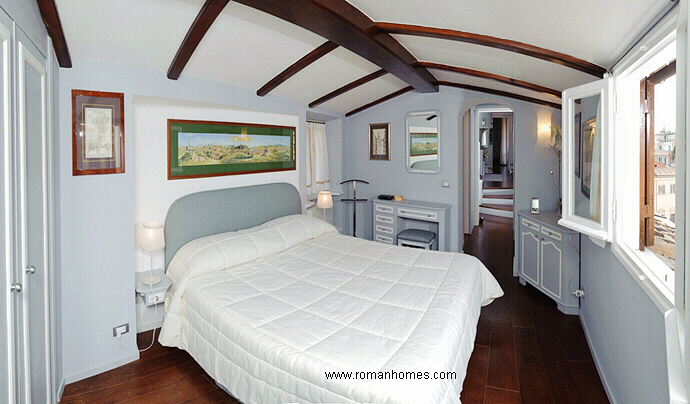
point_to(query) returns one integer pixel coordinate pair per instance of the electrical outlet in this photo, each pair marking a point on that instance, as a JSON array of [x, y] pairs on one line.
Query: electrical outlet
[[119, 330]]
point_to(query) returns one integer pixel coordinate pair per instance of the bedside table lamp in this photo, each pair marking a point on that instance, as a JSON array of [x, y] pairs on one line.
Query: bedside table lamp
[[152, 239], [324, 201]]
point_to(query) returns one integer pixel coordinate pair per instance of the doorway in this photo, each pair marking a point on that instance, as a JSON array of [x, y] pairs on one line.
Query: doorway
[[488, 133]]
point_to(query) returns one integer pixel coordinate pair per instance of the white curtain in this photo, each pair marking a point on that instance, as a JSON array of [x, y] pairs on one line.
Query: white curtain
[[317, 159], [504, 141]]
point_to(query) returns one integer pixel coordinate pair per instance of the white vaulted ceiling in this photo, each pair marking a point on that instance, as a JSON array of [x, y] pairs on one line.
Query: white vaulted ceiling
[[247, 48]]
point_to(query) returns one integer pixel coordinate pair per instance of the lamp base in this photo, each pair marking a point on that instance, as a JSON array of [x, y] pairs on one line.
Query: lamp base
[[150, 280]]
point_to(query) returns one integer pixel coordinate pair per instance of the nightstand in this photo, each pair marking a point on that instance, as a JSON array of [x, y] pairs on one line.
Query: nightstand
[[153, 294]]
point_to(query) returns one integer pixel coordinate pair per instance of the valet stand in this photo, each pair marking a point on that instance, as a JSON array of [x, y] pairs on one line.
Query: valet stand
[[354, 201]]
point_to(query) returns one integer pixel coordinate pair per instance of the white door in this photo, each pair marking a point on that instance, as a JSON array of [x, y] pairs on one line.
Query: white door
[[7, 298], [529, 244], [33, 225], [551, 268]]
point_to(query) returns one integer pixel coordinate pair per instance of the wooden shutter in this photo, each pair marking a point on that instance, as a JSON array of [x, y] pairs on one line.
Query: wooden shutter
[[646, 163]]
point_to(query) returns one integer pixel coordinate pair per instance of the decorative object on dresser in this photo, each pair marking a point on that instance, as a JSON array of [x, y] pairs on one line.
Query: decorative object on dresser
[[324, 201], [98, 132], [152, 239], [354, 201], [199, 149], [535, 206], [549, 258], [392, 217], [380, 141]]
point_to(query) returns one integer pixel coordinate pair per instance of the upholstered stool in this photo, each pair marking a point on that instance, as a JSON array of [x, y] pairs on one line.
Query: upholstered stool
[[416, 238]]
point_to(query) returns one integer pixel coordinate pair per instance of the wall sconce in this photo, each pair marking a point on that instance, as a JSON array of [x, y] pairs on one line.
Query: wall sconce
[[544, 130]]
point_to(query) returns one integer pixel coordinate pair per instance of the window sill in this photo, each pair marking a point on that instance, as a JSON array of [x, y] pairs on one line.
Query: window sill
[[657, 292]]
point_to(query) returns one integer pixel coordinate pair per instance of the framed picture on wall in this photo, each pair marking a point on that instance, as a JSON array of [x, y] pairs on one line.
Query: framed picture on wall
[[198, 149], [98, 132], [379, 141], [588, 129], [578, 138]]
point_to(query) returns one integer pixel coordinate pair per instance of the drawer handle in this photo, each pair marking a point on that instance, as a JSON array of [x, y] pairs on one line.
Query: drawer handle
[[550, 234], [542, 239], [402, 211]]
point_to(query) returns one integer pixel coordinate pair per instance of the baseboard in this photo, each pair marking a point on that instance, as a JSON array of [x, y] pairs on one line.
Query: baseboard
[[61, 390], [101, 368], [602, 376]]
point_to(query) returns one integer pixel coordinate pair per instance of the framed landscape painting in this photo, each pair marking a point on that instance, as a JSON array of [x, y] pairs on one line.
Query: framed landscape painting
[[199, 149]]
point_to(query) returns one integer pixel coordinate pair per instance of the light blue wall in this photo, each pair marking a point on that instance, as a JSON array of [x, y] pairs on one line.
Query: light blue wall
[[533, 161], [97, 212], [625, 329]]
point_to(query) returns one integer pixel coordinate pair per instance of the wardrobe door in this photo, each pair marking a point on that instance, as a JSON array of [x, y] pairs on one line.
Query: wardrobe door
[[31, 130], [6, 277]]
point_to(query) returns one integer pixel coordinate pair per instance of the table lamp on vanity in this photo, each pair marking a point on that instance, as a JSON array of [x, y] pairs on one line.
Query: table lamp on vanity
[[152, 239]]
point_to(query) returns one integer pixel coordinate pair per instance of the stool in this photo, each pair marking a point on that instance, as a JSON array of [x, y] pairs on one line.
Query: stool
[[416, 238]]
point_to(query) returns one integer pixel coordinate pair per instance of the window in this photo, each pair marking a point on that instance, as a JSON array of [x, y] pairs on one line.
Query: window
[[644, 168], [657, 163]]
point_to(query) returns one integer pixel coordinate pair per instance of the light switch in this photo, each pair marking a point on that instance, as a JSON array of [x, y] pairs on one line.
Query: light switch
[[445, 184]]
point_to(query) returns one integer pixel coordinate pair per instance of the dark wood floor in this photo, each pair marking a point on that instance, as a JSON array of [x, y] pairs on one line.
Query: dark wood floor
[[525, 351]]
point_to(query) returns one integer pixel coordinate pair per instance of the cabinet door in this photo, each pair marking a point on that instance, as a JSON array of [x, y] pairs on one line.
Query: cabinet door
[[551, 268], [33, 191], [529, 256], [7, 362]]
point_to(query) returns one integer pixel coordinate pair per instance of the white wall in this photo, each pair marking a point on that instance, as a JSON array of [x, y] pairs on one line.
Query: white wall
[[97, 212], [625, 330]]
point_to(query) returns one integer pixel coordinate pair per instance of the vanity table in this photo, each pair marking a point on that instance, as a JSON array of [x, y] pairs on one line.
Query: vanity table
[[392, 217]]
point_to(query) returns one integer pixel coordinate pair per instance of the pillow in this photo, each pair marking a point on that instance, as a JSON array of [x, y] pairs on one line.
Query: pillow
[[221, 251]]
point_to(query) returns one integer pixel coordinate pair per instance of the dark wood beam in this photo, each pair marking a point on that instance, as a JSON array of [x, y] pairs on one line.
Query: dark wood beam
[[493, 42], [51, 19], [348, 87], [501, 93], [305, 61], [492, 76], [380, 100], [342, 23], [207, 15]]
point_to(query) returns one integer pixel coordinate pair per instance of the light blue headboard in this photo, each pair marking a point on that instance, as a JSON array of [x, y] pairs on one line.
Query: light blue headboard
[[223, 210]]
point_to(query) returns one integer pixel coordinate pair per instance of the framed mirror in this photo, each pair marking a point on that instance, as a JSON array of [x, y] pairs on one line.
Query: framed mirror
[[586, 182], [423, 142]]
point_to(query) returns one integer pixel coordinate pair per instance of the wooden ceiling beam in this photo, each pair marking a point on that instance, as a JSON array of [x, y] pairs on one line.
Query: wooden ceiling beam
[[493, 42], [305, 61], [501, 93], [51, 19], [348, 87], [342, 23], [203, 21], [492, 76], [380, 100]]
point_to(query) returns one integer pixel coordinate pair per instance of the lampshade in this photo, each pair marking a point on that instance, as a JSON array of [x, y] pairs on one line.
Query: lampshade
[[152, 236], [324, 200]]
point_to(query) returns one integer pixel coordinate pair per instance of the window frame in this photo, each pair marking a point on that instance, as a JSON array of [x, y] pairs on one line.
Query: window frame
[[601, 230]]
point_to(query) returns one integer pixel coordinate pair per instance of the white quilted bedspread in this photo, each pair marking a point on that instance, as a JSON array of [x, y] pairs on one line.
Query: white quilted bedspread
[[269, 310]]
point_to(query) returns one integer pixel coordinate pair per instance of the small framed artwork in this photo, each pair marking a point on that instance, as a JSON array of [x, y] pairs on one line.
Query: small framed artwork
[[98, 133], [576, 142], [198, 149], [588, 131], [379, 141]]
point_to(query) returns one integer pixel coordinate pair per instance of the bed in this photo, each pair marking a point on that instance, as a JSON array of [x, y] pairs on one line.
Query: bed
[[278, 307]]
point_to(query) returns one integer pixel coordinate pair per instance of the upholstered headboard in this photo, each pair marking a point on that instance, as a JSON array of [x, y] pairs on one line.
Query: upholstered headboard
[[223, 210]]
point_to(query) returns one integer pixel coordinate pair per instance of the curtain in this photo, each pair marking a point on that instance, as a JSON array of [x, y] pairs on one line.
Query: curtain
[[317, 159], [504, 141]]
